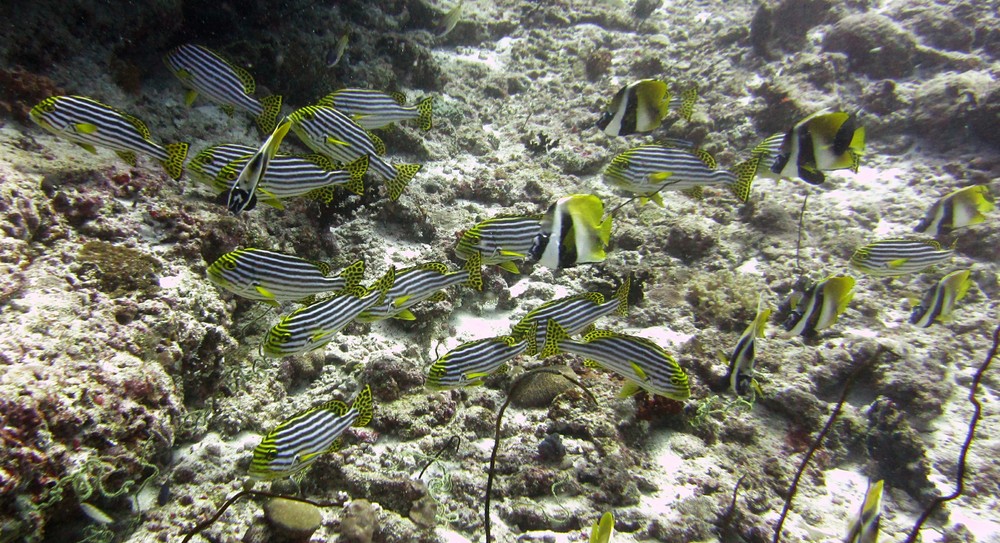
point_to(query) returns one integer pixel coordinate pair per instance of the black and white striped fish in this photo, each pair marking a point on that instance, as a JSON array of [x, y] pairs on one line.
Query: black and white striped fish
[[426, 281], [641, 107], [939, 300], [894, 257], [271, 277], [574, 313], [471, 362], [502, 240], [298, 441], [374, 109], [643, 364], [243, 192], [332, 133], [310, 176], [203, 71], [958, 209], [819, 307], [741, 362], [864, 527], [574, 231], [312, 327], [824, 141], [647, 170], [91, 124]]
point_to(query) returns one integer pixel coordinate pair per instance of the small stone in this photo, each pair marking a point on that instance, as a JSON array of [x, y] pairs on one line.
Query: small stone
[[424, 512], [358, 523], [295, 520], [539, 390]]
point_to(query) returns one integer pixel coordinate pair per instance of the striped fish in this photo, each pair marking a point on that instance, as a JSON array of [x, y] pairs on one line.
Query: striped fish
[[312, 327], [471, 362], [641, 107], [311, 176], [502, 240], [647, 170], [958, 209], [643, 364], [91, 124], [332, 133], [298, 441], [243, 193], [427, 281], [574, 231], [893, 257], [574, 313], [374, 109], [741, 361], [939, 300], [823, 141], [864, 528], [820, 306], [203, 71], [270, 277]]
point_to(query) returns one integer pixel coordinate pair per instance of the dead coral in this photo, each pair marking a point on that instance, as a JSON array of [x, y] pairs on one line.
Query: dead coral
[[117, 269], [20, 90]]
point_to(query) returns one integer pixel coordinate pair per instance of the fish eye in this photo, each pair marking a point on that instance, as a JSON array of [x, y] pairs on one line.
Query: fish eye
[[229, 265]]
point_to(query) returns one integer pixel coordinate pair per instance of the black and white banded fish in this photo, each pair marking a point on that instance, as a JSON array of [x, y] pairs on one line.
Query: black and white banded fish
[[91, 124], [374, 109], [643, 364], [647, 170], [311, 176], [337, 52], [471, 362], [641, 107], [502, 240], [574, 314], [741, 362], [334, 134], [299, 440], [243, 193], [450, 19], [819, 307], [864, 527], [958, 209], [894, 257], [271, 277], [574, 231], [939, 300], [203, 71], [426, 281], [312, 327], [823, 141]]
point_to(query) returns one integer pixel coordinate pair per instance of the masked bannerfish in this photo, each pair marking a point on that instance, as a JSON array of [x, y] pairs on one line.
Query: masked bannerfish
[[641, 107]]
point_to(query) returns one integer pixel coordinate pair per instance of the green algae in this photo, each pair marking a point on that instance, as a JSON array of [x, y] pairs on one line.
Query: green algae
[[119, 270]]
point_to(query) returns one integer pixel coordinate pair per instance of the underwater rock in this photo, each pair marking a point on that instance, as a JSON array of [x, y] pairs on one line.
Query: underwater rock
[[357, 524], [395, 376], [539, 389], [424, 512], [293, 520], [551, 449], [944, 27], [898, 452], [874, 44]]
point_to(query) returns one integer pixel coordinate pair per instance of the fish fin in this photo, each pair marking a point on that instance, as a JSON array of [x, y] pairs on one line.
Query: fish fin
[[270, 109], [228, 109], [553, 335], [745, 173], [190, 96], [356, 170], [660, 177], [591, 363], [265, 293], [354, 273], [629, 389], [509, 266], [365, 406], [706, 158], [322, 194], [963, 285], [425, 110], [694, 192], [127, 156], [404, 174], [657, 198], [384, 284], [174, 164], [87, 147], [639, 372], [439, 296], [249, 86], [897, 263], [405, 315], [604, 232], [401, 300], [85, 128], [602, 530], [688, 98], [622, 296], [138, 124], [397, 97], [378, 143], [334, 141], [474, 265]]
